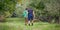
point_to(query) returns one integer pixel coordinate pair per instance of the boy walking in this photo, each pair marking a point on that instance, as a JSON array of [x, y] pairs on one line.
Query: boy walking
[[30, 16], [25, 14]]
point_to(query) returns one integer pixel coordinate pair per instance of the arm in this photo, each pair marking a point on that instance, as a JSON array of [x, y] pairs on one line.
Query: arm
[[33, 14]]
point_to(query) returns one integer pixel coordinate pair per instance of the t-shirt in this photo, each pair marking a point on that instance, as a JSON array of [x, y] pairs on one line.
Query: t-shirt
[[25, 13], [30, 12]]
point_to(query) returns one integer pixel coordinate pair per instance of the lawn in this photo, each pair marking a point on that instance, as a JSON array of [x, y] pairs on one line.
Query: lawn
[[18, 24]]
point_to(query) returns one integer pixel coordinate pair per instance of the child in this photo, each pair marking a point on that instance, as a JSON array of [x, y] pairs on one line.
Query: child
[[30, 16], [25, 14]]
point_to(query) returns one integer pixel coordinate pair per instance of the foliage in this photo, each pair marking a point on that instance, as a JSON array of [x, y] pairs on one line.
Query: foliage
[[46, 7], [7, 6]]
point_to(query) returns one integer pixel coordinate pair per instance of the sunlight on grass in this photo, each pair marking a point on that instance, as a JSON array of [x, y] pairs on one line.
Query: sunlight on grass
[[19, 25]]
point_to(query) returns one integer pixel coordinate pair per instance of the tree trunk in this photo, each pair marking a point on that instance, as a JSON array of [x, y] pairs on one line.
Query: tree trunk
[[59, 19], [2, 18]]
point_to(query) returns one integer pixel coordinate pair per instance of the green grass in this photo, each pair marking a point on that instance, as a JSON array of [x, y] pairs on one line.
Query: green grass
[[18, 24]]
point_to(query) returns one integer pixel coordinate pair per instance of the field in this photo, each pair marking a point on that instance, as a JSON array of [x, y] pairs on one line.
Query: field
[[18, 24]]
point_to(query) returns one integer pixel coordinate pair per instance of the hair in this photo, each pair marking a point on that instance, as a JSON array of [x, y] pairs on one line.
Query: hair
[[26, 8]]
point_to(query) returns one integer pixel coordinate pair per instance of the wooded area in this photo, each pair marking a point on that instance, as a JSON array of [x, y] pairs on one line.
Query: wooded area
[[49, 9], [46, 11]]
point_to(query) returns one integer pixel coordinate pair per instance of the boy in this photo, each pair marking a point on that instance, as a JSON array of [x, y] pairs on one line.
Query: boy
[[25, 14], [31, 15]]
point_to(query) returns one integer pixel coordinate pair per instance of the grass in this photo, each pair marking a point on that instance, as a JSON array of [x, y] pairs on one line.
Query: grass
[[18, 24]]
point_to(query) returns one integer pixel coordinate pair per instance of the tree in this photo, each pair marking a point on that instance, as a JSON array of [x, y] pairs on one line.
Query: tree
[[7, 7], [46, 8]]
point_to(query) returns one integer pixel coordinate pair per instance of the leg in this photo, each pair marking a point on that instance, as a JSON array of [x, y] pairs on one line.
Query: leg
[[26, 21], [29, 20], [32, 20]]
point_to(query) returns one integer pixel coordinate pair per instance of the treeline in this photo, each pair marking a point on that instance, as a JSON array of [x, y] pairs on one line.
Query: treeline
[[7, 7], [47, 10]]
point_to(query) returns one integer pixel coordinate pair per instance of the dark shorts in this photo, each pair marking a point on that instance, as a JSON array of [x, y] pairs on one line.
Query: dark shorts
[[30, 17]]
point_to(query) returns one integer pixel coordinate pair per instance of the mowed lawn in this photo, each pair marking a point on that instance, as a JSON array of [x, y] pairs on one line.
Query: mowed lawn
[[18, 24]]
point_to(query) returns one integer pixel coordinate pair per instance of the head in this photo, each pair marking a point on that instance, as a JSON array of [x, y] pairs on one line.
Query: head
[[26, 9]]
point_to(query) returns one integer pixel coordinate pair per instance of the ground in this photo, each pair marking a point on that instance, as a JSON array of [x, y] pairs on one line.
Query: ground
[[18, 24]]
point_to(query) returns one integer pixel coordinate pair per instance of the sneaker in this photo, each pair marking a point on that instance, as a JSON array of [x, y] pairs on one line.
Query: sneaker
[[32, 24], [29, 24]]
